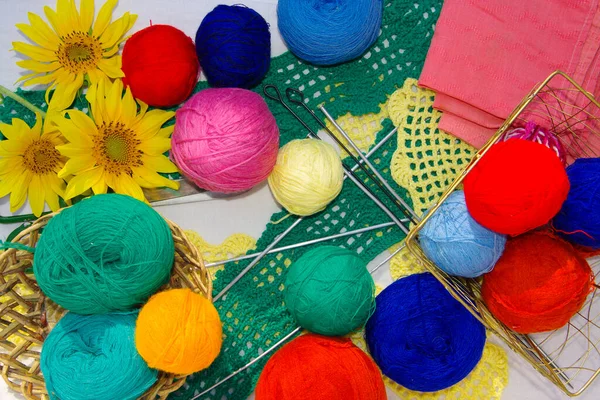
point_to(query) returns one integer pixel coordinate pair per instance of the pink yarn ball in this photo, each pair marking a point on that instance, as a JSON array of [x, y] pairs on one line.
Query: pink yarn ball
[[535, 133], [225, 140]]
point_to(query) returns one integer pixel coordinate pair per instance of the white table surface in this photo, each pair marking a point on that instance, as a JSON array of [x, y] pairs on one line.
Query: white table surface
[[215, 219]]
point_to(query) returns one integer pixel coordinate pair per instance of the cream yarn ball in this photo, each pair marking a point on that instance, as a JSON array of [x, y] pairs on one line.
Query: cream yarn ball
[[307, 176]]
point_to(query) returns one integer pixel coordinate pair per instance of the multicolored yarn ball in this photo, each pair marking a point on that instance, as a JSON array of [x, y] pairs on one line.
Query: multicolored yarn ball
[[233, 44], [179, 331], [516, 186], [330, 291], [225, 140], [89, 357], [160, 65], [320, 368], [308, 175], [579, 218], [106, 253], [325, 32], [456, 243], [421, 337], [538, 284], [534, 133]]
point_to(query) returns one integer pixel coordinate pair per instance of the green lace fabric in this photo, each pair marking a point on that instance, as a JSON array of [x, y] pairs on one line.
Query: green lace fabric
[[253, 311]]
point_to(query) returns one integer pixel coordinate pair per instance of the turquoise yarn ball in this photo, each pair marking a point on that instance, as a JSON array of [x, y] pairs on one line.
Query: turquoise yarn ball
[[456, 243], [330, 291], [106, 253], [94, 357]]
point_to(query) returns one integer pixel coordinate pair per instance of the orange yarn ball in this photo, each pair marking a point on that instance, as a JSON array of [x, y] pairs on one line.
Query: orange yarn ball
[[538, 284], [179, 331], [320, 368]]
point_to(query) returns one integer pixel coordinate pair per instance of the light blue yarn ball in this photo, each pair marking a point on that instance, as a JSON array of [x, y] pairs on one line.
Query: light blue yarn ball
[[329, 32], [456, 243]]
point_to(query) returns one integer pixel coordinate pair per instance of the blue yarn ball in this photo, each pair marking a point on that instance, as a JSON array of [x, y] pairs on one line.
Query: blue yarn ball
[[421, 337], [579, 218], [456, 243], [325, 32], [89, 357], [233, 44]]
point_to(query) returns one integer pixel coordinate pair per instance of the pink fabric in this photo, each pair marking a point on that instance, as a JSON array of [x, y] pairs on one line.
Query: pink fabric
[[487, 55]]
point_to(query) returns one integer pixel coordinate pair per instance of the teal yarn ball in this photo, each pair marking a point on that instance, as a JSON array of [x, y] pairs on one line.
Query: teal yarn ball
[[94, 357], [330, 291], [456, 243], [106, 253]]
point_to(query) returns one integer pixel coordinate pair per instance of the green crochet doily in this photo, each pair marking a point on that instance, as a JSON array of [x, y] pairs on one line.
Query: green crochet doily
[[253, 312]]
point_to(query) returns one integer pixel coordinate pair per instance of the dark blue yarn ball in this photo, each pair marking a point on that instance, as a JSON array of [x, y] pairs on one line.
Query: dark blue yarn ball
[[578, 220], [421, 337], [233, 44]]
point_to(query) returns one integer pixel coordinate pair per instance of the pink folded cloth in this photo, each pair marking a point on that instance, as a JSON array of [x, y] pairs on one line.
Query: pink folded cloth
[[486, 56]]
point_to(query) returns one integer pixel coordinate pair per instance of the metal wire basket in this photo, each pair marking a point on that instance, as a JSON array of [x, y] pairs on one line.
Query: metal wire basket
[[570, 356]]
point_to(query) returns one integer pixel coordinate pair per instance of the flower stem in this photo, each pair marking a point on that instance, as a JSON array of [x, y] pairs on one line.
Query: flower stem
[[8, 93]]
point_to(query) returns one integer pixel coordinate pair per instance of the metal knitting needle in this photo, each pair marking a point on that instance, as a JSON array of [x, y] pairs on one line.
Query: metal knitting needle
[[297, 97]]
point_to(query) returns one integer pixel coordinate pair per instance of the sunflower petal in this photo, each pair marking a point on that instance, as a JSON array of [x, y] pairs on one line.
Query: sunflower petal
[[34, 35], [56, 184], [39, 67], [19, 192], [70, 150], [83, 122], [155, 146], [111, 67], [150, 179], [64, 93], [51, 198], [82, 182], [166, 131], [76, 165], [159, 164], [36, 195], [55, 21], [113, 100], [41, 80], [151, 123], [114, 32], [73, 134], [104, 17], [34, 52], [125, 184], [100, 187], [86, 12], [128, 108], [40, 26], [11, 148], [7, 183]]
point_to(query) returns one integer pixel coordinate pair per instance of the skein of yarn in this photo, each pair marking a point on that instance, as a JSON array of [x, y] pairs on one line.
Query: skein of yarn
[[538, 284], [225, 140], [106, 253], [456, 243], [330, 291], [179, 331], [160, 65], [516, 186], [320, 368], [579, 218], [421, 337], [94, 357], [308, 175], [325, 32], [534, 133], [233, 44]]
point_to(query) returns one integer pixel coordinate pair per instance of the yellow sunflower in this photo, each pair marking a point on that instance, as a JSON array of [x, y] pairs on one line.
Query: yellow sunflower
[[120, 148], [29, 164], [72, 49]]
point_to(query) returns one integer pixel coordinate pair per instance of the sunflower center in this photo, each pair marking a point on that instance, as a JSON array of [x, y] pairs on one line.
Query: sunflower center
[[41, 157], [116, 148], [79, 52]]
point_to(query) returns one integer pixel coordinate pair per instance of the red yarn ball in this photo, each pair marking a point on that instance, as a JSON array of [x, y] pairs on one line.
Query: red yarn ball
[[517, 186], [160, 65], [538, 284], [320, 368]]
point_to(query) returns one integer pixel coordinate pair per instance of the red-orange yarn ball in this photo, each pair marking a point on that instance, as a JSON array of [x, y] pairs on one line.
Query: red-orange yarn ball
[[538, 284], [517, 186], [314, 367], [160, 65]]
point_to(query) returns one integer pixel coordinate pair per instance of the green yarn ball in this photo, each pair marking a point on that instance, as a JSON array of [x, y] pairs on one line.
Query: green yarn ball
[[106, 253], [330, 291], [93, 357]]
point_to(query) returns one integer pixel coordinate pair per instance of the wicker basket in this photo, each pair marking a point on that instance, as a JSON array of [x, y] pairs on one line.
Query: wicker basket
[[570, 356], [26, 315]]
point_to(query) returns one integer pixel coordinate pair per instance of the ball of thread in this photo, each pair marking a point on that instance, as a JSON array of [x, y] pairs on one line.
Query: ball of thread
[[579, 218], [538, 284], [516, 186], [179, 331], [308, 175], [160, 65], [534, 133], [330, 291], [94, 357], [456, 243], [225, 140], [325, 32], [421, 337], [320, 368], [233, 44], [106, 253]]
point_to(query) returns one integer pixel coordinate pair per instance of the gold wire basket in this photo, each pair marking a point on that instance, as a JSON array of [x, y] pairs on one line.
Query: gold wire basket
[[27, 316], [570, 356]]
